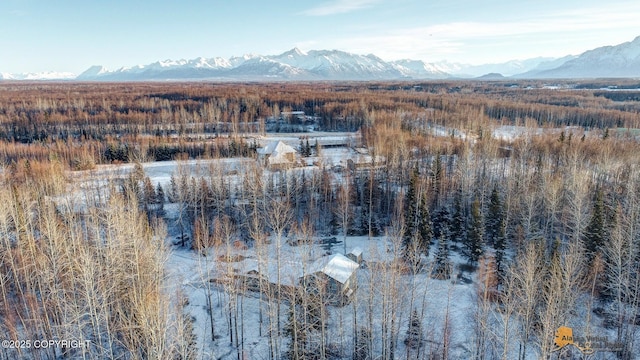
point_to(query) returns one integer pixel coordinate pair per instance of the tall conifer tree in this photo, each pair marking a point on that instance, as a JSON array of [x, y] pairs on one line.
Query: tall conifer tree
[[596, 230], [495, 228], [474, 243]]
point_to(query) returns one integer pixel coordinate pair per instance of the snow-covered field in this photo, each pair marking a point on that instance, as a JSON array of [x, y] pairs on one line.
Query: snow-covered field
[[512, 132]]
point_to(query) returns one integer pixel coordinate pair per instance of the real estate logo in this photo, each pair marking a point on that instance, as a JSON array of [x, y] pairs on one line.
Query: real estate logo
[[564, 337], [586, 345]]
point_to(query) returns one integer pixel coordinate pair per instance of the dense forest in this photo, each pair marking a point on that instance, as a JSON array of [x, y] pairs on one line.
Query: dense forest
[[89, 123], [545, 226]]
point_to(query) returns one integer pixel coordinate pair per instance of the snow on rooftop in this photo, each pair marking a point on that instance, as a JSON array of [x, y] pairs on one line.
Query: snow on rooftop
[[289, 271], [336, 266], [356, 251], [276, 147], [277, 151]]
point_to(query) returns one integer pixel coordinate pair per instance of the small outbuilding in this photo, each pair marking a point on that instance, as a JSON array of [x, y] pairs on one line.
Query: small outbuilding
[[355, 255]]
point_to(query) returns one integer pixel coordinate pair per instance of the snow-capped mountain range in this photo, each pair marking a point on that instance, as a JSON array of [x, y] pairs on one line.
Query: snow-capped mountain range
[[291, 65], [609, 61], [298, 65]]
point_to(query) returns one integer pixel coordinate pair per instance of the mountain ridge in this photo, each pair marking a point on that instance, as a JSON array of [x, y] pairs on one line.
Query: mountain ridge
[[296, 64], [622, 60]]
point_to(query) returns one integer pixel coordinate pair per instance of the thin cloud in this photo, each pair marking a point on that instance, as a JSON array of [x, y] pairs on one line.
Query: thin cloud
[[555, 34], [338, 7]]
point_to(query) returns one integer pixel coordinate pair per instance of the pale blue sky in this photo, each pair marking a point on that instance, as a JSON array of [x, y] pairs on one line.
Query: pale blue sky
[[72, 35]]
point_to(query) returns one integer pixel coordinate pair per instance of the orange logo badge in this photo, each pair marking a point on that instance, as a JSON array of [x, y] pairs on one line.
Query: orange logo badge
[[564, 337]]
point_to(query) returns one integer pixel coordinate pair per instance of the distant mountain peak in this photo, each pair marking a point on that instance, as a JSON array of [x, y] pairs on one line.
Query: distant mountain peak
[[93, 72], [491, 76], [294, 52]]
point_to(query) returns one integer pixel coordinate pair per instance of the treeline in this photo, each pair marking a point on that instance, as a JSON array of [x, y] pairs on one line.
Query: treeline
[[73, 120], [85, 154]]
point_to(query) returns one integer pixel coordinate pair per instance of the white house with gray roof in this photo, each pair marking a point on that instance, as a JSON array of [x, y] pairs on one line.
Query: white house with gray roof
[[277, 155]]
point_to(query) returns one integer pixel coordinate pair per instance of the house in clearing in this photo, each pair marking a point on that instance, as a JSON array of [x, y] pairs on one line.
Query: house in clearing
[[268, 277], [333, 277], [277, 155]]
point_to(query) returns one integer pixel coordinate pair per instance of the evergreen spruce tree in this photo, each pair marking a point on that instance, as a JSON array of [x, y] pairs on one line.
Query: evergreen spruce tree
[[305, 148], [596, 230], [333, 223], [494, 220], [441, 222], [410, 241], [364, 216], [442, 266], [424, 226], [371, 222], [495, 229], [499, 246], [173, 189], [411, 208], [436, 180], [160, 197], [159, 200], [458, 220], [474, 244], [414, 331]]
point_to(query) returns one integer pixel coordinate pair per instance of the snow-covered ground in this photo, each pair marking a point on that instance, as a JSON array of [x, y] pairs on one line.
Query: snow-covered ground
[[189, 273], [512, 132], [447, 306]]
